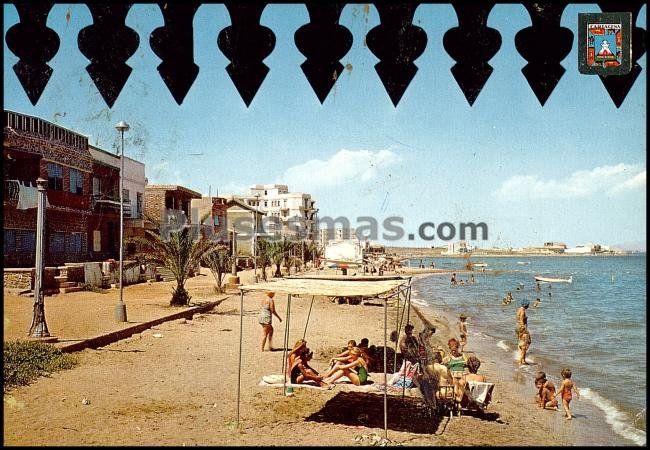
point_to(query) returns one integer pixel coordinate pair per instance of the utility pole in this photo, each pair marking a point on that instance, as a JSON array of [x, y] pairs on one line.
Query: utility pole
[[257, 202], [234, 252], [38, 328], [120, 308]]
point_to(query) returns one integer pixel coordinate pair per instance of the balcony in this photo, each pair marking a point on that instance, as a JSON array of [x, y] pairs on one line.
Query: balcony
[[109, 201]]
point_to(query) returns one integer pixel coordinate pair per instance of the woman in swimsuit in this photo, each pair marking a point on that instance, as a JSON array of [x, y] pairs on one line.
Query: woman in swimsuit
[[456, 362], [265, 318], [356, 369], [565, 391]]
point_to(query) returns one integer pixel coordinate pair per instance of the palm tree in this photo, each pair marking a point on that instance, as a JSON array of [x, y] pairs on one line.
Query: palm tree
[[314, 252], [263, 256], [279, 253], [218, 260], [180, 254]]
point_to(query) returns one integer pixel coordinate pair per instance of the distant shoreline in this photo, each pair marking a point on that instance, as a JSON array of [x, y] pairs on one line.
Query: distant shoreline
[[426, 254]]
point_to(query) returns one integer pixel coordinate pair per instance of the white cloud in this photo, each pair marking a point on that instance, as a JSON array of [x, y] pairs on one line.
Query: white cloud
[[342, 167], [638, 181], [609, 179]]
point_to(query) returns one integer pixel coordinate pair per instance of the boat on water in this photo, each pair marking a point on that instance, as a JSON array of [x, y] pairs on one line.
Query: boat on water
[[523, 262], [479, 265], [554, 280]]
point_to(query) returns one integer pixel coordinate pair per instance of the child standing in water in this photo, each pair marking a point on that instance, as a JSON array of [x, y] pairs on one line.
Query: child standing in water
[[565, 391], [462, 327]]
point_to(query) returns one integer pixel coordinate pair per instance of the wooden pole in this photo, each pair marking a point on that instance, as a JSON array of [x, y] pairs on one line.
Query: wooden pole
[[385, 369], [241, 329]]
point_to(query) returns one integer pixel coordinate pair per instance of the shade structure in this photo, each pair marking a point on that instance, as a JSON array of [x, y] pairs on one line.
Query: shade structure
[[330, 287], [339, 286]]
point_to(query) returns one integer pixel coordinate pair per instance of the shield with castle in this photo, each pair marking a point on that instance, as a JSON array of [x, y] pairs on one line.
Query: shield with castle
[[605, 43]]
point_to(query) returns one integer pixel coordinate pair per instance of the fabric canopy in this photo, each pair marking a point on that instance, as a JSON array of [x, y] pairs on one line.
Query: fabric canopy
[[332, 287]]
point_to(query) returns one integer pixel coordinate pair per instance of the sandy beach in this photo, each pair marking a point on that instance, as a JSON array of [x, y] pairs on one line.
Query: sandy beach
[[177, 384]]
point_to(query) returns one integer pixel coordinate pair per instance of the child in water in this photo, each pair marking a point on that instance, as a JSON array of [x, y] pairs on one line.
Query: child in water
[[462, 328], [565, 391]]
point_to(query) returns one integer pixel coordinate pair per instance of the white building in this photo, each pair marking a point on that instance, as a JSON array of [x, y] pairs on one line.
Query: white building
[[588, 249], [288, 214], [333, 234], [348, 251], [133, 181], [458, 247]]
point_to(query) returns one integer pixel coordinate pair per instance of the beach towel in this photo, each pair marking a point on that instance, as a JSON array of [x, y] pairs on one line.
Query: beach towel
[[479, 392]]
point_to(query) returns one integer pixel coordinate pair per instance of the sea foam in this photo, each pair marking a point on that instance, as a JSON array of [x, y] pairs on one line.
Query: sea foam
[[619, 421], [503, 346]]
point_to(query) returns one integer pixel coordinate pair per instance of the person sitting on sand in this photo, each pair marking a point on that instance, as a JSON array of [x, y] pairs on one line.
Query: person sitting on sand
[[473, 364], [345, 353], [545, 392], [435, 382], [440, 372], [565, 391], [523, 344], [294, 354], [356, 369], [409, 345], [302, 371], [365, 352]]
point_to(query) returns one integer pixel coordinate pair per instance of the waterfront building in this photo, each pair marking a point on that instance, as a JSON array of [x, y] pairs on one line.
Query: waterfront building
[[292, 215]]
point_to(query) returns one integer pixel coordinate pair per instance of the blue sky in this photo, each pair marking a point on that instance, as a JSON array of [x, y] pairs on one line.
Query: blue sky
[[572, 171]]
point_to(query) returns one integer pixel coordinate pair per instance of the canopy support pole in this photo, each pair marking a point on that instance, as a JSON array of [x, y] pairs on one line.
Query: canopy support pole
[[286, 345], [385, 369], [308, 315], [397, 328], [407, 294], [241, 333]]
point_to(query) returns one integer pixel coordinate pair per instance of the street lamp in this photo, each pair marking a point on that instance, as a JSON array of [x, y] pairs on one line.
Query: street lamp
[[257, 204], [120, 308], [38, 328]]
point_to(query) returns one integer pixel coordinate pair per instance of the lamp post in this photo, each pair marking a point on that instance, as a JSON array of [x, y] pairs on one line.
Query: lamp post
[[257, 204], [38, 328], [120, 308]]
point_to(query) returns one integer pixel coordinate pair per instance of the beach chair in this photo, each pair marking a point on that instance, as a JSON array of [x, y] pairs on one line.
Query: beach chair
[[446, 400], [477, 395]]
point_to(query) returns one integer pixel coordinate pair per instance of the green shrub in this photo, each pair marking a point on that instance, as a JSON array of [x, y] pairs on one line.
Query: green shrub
[[24, 361], [93, 288]]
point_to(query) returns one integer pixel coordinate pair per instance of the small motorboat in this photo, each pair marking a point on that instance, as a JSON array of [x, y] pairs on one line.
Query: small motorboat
[[554, 280], [523, 263], [479, 265]]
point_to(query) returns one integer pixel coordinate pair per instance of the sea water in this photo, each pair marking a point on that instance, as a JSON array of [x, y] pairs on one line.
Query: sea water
[[595, 325]]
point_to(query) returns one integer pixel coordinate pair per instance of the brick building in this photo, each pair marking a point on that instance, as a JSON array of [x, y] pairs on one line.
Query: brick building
[[82, 216], [168, 206], [34, 148]]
